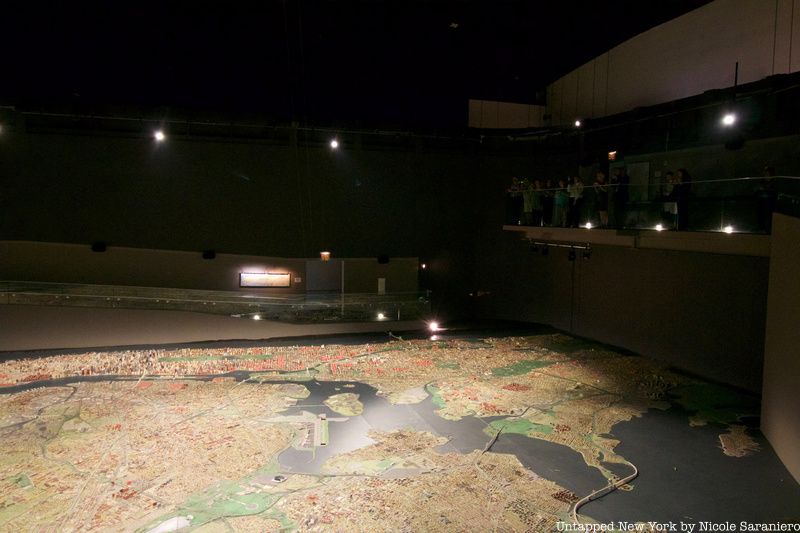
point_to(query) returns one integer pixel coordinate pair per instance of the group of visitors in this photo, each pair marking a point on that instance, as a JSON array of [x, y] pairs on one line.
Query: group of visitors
[[568, 202], [675, 197]]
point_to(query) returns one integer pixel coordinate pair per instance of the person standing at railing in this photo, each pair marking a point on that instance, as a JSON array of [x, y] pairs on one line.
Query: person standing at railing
[[680, 195], [669, 208], [527, 202], [537, 198], [601, 197], [514, 202], [547, 202], [575, 189], [766, 200], [618, 197], [669, 183], [560, 204]]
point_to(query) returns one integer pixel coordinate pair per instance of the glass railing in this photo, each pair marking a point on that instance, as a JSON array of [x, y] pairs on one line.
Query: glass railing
[[295, 308], [741, 205]]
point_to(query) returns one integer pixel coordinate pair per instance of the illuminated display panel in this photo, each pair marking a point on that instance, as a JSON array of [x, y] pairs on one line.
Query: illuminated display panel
[[265, 279]]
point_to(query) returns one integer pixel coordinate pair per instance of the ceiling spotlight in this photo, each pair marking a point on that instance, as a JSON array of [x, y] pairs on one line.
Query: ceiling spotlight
[[578, 123], [728, 229], [159, 136], [659, 227], [334, 144], [729, 119]]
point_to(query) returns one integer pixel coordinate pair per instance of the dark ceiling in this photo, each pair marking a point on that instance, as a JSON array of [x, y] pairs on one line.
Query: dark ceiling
[[409, 63]]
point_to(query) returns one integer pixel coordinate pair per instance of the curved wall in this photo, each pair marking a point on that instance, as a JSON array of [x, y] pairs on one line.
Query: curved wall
[[686, 56]]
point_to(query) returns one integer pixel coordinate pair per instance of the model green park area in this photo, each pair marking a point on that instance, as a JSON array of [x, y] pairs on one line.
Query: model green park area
[[519, 368]]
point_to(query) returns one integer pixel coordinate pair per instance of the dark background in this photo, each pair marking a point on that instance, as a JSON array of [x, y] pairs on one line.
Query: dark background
[[411, 63]]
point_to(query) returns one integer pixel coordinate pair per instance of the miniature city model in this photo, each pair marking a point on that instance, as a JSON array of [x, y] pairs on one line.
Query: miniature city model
[[453, 434]]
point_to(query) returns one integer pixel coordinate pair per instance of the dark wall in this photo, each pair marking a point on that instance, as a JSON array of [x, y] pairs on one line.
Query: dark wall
[[780, 407], [251, 197], [229, 196], [140, 267], [701, 312]]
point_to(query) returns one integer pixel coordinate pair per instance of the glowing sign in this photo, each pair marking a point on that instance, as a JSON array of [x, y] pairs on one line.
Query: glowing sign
[[265, 279]]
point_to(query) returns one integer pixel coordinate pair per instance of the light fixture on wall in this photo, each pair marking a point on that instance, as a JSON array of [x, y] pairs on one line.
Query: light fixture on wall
[[325, 256], [728, 119], [334, 144], [159, 136], [578, 123]]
